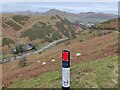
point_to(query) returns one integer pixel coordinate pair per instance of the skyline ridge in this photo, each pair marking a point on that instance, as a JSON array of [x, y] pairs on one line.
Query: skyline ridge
[[56, 10], [99, 7]]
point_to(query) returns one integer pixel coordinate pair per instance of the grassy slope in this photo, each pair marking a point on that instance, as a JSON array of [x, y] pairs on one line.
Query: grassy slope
[[108, 25], [13, 73], [36, 29], [99, 73], [41, 26]]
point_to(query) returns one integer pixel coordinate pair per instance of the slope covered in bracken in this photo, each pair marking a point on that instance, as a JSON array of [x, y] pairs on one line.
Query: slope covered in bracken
[[92, 48], [36, 29], [108, 25]]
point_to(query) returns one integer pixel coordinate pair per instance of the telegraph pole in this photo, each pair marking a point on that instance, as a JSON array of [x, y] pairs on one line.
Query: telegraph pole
[[65, 70]]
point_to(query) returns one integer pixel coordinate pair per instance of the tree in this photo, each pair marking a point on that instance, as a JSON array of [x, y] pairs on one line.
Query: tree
[[22, 62], [81, 40], [20, 49]]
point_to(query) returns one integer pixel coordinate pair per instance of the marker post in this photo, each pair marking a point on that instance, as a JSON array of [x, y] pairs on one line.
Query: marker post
[[65, 70]]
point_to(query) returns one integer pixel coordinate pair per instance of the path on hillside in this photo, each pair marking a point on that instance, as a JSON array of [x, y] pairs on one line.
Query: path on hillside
[[37, 51]]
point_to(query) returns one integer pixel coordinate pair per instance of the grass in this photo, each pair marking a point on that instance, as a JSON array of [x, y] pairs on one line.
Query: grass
[[99, 74], [91, 33], [6, 56], [108, 25], [4, 25], [65, 30], [14, 25], [7, 41], [50, 79], [20, 19], [39, 31], [48, 33]]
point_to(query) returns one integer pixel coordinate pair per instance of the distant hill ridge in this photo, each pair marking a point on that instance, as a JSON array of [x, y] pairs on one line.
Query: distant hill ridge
[[83, 17]]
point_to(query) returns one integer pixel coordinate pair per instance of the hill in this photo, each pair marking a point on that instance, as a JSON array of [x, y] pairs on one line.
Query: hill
[[84, 17], [97, 64], [95, 67], [108, 25], [37, 29]]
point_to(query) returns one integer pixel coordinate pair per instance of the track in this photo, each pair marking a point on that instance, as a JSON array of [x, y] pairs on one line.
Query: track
[[34, 52]]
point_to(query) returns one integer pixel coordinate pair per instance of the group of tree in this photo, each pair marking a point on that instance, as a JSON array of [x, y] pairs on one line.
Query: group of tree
[[23, 48]]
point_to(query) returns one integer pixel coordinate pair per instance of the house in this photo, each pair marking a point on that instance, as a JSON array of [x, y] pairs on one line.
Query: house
[[22, 48], [27, 47]]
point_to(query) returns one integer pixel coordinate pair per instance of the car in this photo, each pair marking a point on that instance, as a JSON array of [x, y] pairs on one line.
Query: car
[[2, 61]]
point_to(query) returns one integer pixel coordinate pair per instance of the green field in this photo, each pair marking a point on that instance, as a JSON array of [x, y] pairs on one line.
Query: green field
[[102, 73]]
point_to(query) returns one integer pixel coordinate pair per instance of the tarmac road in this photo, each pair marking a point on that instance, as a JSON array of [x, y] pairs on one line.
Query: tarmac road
[[37, 51]]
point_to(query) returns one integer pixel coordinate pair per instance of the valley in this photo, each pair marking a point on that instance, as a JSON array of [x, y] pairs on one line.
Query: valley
[[92, 50], [95, 67]]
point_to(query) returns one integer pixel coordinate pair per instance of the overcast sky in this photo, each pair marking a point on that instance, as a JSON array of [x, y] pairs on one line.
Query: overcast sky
[[74, 7], [59, 0]]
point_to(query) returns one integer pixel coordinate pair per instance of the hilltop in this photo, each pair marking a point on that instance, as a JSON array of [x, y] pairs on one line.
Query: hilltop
[[83, 17], [80, 18]]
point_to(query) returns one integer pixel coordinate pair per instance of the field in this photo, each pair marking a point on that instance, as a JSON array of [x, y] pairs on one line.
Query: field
[[101, 73], [97, 64]]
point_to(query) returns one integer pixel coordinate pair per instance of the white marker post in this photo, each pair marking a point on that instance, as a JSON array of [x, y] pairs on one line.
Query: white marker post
[[65, 70]]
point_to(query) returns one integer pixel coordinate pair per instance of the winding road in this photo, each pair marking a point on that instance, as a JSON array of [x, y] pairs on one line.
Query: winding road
[[37, 51]]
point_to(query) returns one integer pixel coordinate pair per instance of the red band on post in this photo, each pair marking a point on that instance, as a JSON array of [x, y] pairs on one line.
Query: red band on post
[[65, 56]]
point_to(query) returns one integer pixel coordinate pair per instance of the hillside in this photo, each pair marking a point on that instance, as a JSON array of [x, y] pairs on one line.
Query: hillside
[[96, 67], [89, 74], [84, 17], [97, 64], [108, 25], [37, 29]]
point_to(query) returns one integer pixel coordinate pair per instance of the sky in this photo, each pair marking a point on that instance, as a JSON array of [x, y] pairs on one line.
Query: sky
[[68, 6], [59, 0]]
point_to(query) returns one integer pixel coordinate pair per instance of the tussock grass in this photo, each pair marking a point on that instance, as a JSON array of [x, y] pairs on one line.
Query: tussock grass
[[99, 74]]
